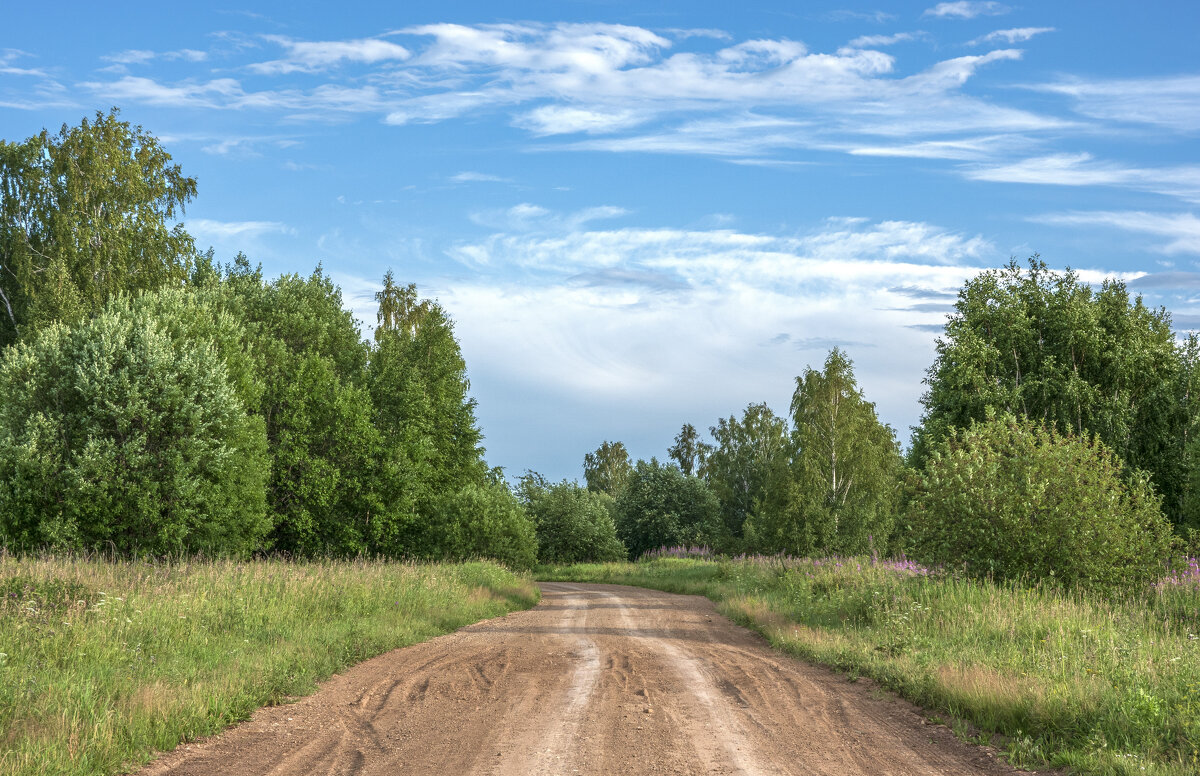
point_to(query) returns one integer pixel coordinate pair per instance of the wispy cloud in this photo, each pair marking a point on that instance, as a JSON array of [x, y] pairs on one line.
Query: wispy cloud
[[143, 56], [469, 176], [874, 41], [1011, 36], [206, 229], [1172, 102], [966, 9], [1082, 169], [311, 56], [878, 17], [1181, 230]]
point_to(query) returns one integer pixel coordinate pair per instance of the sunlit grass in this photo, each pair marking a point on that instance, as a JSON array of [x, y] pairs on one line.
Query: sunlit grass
[[102, 663], [1103, 685]]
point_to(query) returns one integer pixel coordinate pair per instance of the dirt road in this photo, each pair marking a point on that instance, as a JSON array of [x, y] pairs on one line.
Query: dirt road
[[597, 679]]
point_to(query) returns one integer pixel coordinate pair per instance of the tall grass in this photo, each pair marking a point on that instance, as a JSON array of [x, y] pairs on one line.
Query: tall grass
[[102, 663], [1101, 685]]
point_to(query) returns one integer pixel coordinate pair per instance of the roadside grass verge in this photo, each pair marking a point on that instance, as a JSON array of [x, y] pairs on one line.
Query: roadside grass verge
[[1091, 684], [102, 663]]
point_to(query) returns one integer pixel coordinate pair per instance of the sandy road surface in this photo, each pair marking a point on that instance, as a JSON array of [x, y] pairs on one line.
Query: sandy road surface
[[597, 679]]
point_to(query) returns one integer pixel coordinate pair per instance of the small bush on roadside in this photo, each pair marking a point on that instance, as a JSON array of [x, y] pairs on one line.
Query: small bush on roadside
[[662, 506], [1008, 499], [574, 525], [483, 521]]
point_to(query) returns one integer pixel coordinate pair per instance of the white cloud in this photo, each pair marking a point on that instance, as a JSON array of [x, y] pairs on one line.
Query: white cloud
[[620, 88], [468, 176], [10, 55], [206, 229], [1182, 230], [211, 94], [1014, 35], [1081, 169], [967, 9], [1172, 102], [527, 217], [872, 41], [311, 56], [561, 119]]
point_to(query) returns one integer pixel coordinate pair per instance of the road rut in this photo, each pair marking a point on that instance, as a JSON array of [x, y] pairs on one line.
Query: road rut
[[597, 679]]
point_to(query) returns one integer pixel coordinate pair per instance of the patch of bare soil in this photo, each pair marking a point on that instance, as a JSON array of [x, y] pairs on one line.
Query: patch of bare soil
[[597, 679]]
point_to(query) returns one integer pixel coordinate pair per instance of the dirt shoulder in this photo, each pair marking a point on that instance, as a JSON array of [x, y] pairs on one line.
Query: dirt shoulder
[[597, 679]]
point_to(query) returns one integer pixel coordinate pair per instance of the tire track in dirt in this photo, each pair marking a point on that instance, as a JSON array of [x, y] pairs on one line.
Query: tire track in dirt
[[597, 679]]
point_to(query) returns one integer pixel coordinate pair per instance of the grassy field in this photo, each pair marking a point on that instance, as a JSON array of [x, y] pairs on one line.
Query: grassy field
[[101, 663], [1099, 686]]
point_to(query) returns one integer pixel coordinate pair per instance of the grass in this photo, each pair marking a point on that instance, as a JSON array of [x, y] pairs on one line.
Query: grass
[[102, 663], [1095, 685]]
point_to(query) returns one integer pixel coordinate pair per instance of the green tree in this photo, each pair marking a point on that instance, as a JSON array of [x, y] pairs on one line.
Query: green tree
[[85, 214], [739, 466], [1007, 498], [114, 434], [1044, 345], [661, 506], [574, 524], [838, 494], [607, 470], [423, 409], [483, 521], [688, 451], [332, 491]]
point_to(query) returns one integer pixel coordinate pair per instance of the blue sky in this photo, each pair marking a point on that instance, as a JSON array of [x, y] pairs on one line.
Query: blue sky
[[641, 216]]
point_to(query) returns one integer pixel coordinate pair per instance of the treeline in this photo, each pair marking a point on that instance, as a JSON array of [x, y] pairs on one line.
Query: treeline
[[1058, 442], [155, 402]]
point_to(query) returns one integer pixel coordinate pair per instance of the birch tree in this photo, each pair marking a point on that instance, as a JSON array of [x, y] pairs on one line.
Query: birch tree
[[838, 493], [84, 214]]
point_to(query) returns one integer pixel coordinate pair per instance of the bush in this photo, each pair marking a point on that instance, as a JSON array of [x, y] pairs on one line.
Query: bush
[[482, 521], [1007, 498], [574, 525], [661, 506], [114, 435]]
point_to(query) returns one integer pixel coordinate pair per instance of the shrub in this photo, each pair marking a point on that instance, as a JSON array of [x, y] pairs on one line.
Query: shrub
[[574, 525], [114, 435], [1007, 498], [662, 506], [482, 521]]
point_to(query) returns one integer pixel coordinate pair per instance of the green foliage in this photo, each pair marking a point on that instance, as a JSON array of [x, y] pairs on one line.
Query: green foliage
[[114, 435], [86, 214], [482, 521], [662, 506], [739, 466], [331, 490], [838, 493], [574, 524], [688, 450], [608, 469], [1008, 499], [1043, 345], [418, 383]]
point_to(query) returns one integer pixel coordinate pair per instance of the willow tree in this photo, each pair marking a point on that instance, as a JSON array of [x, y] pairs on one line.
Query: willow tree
[[84, 214], [838, 493]]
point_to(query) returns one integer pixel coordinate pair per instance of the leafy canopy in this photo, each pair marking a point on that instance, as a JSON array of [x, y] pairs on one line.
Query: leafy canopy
[[113, 434], [1008, 498], [838, 492], [86, 214], [661, 506]]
